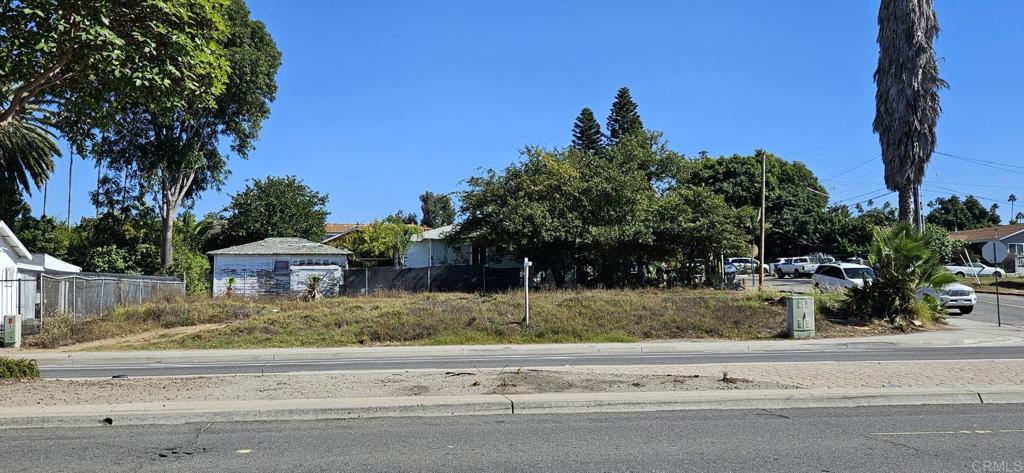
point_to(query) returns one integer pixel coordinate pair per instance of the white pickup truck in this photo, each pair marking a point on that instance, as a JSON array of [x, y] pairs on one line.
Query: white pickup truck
[[801, 266]]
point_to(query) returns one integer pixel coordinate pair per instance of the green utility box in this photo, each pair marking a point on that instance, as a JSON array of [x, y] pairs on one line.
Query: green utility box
[[800, 316]]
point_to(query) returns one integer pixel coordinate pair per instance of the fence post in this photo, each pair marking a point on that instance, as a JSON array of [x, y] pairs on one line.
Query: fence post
[[74, 297], [366, 281], [428, 278], [484, 277], [140, 292]]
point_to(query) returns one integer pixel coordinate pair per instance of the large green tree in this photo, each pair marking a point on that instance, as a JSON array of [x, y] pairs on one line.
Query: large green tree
[[85, 58], [796, 201], [274, 207], [586, 132], [695, 227], [569, 209], [178, 153], [624, 119], [907, 96], [437, 210], [954, 214]]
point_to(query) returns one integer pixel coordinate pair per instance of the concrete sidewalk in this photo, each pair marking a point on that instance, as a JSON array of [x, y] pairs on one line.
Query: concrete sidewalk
[[168, 400], [961, 332]]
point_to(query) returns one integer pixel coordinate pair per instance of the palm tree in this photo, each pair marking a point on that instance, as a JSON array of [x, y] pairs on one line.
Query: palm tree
[[1011, 200], [907, 96], [27, 148], [904, 262]]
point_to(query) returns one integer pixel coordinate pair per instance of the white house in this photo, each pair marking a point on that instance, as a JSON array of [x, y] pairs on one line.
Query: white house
[[19, 274], [432, 248], [277, 266]]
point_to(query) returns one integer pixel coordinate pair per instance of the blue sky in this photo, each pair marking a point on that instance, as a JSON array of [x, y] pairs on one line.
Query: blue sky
[[380, 101]]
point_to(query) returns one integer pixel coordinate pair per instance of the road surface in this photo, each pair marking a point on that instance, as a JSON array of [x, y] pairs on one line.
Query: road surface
[[917, 438]]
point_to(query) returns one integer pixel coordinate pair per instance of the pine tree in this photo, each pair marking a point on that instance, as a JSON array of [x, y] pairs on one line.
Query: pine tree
[[586, 132], [624, 119]]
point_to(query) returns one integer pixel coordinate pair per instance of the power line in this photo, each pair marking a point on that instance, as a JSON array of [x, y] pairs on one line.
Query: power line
[[1005, 167], [859, 195], [855, 166]]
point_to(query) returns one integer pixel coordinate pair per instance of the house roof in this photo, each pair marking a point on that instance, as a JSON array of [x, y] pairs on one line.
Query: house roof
[[979, 235], [341, 228], [439, 233], [281, 246], [9, 238]]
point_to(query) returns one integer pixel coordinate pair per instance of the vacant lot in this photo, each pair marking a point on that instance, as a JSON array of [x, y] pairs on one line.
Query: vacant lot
[[436, 319]]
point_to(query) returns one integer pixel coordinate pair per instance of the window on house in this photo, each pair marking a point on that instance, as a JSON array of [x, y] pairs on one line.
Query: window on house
[[1016, 248], [281, 267]]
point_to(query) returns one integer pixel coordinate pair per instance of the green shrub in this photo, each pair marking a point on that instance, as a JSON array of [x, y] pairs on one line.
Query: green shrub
[[904, 262], [12, 368]]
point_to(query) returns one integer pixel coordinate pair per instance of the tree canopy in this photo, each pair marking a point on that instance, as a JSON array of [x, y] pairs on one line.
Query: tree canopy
[[274, 207], [79, 55], [437, 210], [954, 214]]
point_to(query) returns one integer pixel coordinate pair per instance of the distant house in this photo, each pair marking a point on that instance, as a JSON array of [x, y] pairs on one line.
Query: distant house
[[433, 248], [436, 247], [334, 231], [277, 266], [1011, 235], [19, 274]]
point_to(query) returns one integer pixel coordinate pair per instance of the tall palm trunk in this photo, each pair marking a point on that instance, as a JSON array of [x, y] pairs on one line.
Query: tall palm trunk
[[907, 96]]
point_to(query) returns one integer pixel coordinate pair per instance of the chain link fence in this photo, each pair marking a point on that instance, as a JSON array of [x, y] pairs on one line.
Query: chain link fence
[[90, 294], [448, 278]]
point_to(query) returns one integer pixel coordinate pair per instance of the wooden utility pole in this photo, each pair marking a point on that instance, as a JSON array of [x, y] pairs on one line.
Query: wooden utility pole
[[764, 185]]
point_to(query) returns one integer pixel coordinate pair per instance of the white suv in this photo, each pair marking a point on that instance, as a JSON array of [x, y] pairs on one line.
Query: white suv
[[832, 276], [952, 296]]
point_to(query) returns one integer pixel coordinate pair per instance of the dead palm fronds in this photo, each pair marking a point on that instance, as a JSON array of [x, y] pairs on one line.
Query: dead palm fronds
[[907, 97]]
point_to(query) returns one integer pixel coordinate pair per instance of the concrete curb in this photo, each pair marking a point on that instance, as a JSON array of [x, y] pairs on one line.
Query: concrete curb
[[414, 406]]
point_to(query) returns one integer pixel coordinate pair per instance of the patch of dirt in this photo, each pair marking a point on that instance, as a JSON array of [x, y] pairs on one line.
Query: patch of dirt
[[163, 334]]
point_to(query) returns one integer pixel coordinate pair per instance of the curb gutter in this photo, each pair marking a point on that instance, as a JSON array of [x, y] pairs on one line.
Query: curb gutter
[[546, 403]]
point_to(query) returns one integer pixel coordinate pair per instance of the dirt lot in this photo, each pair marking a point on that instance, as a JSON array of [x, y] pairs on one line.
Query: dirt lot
[[331, 386], [705, 377]]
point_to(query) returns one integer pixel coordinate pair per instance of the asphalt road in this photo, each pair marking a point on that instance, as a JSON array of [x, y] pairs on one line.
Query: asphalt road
[[515, 361], [971, 438]]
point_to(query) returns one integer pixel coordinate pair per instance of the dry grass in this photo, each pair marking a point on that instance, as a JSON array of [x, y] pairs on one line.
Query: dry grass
[[1007, 285], [434, 319]]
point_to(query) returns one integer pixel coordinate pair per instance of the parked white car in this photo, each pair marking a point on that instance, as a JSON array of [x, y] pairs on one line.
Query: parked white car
[[974, 269], [952, 296], [745, 265], [835, 276]]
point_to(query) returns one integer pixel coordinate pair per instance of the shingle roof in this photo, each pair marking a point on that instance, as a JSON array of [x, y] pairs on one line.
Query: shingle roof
[[985, 234], [281, 246]]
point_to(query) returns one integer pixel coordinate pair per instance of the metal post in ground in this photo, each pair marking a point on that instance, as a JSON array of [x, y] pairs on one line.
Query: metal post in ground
[[999, 315], [366, 281], [526, 290]]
